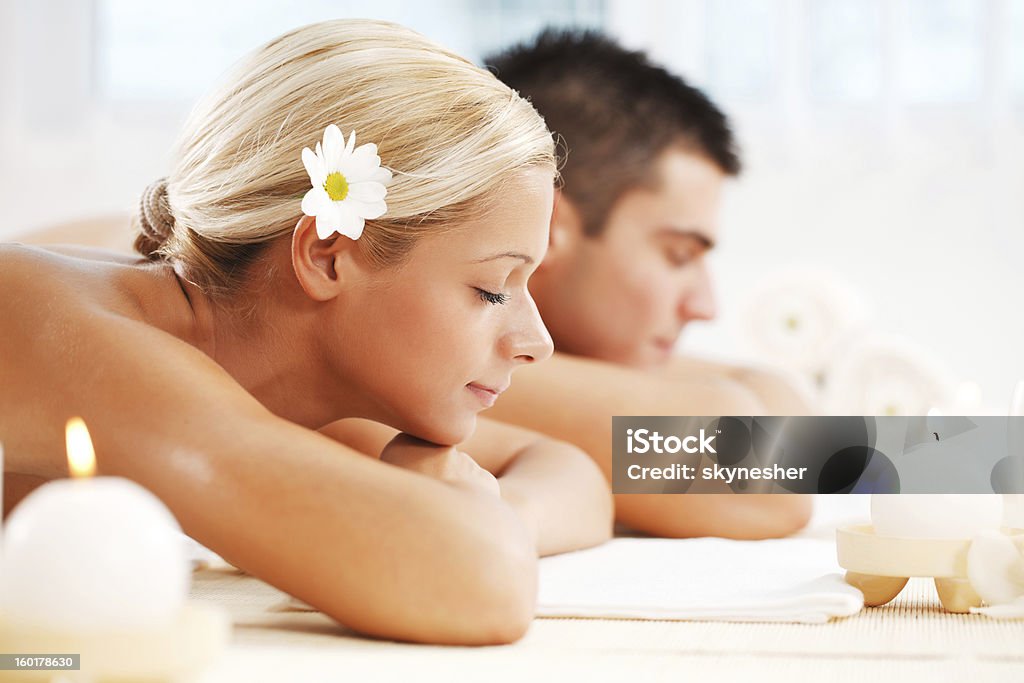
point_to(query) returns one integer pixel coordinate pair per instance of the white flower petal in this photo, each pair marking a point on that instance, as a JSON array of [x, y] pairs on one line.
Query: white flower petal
[[334, 143], [369, 210], [314, 167], [367, 191], [328, 220], [351, 143], [381, 175], [363, 162], [314, 200], [351, 223]]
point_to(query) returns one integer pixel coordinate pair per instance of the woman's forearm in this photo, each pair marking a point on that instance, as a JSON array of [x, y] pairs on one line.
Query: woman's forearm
[[382, 550], [560, 494]]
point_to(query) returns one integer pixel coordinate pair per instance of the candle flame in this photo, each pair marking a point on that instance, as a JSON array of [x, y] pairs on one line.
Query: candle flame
[[81, 456]]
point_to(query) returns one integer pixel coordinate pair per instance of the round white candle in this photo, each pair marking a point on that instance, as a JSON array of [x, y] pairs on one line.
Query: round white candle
[[935, 515], [101, 554]]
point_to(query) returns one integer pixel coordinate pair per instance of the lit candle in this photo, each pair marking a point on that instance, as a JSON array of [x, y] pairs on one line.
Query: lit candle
[[95, 553]]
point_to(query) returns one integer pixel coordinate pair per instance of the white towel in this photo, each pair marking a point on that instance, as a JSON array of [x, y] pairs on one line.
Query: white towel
[[884, 374], [1009, 610], [708, 579], [796, 319]]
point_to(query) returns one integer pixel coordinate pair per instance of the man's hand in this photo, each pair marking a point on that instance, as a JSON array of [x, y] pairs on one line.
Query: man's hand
[[440, 462]]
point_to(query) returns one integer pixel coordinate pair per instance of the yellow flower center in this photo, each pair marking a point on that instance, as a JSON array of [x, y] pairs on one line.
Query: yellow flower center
[[336, 187]]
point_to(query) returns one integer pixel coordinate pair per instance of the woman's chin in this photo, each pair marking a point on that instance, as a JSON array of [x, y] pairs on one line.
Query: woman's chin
[[452, 432]]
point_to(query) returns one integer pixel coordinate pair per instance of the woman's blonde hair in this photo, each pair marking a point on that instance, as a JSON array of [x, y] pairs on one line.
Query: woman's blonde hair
[[451, 132]]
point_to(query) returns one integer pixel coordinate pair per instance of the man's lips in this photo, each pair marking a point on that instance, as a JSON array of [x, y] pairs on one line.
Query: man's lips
[[667, 344]]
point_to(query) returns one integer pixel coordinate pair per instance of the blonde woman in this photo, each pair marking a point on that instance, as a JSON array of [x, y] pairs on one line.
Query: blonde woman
[[279, 290]]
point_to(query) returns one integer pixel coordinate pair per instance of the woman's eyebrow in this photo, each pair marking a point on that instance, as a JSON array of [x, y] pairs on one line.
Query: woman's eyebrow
[[506, 254]]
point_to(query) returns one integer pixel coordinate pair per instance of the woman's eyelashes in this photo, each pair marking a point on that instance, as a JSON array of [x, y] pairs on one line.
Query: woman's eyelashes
[[492, 297]]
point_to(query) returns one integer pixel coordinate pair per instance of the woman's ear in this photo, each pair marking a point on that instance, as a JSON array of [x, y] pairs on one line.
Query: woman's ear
[[323, 267], [566, 229]]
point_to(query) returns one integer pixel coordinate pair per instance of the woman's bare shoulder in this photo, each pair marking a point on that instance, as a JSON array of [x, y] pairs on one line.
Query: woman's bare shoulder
[[18, 258], [75, 344], [94, 253]]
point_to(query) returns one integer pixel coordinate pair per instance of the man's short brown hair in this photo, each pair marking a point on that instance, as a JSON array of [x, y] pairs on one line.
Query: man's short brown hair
[[615, 111]]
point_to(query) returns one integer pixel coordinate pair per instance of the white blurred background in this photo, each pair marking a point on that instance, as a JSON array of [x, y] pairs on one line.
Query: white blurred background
[[879, 222]]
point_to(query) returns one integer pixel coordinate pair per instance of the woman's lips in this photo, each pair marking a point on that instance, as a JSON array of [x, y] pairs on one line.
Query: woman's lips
[[486, 395]]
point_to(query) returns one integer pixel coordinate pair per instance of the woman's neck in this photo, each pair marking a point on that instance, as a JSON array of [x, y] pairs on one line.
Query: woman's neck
[[269, 348]]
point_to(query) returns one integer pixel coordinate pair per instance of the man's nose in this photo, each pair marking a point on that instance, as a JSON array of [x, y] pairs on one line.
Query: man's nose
[[698, 303], [528, 341]]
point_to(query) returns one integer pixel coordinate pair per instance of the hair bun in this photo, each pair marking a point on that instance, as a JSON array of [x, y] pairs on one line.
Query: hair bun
[[156, 221]]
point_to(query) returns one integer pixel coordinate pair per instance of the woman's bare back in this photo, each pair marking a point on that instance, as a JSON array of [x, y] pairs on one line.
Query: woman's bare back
[[50, 301]]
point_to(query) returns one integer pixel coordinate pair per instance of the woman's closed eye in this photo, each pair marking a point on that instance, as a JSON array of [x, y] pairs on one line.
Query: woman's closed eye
[[492, 297]]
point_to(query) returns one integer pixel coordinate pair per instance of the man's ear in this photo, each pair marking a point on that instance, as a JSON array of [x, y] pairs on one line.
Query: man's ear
[[323, 267], [566, 229]]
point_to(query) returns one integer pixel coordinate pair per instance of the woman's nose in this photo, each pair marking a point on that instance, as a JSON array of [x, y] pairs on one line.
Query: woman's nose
[[528, 341]]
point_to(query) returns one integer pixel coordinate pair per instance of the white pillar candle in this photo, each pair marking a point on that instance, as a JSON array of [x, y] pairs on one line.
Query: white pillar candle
[[92, 553]]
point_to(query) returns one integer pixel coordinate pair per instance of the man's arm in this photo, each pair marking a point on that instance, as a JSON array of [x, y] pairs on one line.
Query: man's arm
[[780, 393], [573, 399], [557, 490]]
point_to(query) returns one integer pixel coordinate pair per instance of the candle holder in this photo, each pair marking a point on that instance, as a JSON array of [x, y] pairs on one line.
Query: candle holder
[[880, 566], [176, 652]]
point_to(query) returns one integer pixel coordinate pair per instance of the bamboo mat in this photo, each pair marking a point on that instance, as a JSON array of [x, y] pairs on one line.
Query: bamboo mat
[[912, 638]]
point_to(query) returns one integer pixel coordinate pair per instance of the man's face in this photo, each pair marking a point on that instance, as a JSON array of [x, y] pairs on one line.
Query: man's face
[[626, 295]]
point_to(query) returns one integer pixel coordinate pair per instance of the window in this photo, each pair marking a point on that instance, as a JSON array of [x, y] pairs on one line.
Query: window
[[160, 51], [845, 50]]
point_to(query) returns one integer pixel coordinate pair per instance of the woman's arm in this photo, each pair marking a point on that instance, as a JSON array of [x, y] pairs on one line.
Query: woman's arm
[[573, 399], [555, 488], [377, 548]]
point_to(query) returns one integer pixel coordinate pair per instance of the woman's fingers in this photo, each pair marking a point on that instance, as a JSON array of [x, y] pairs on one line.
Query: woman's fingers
[[445, 463]]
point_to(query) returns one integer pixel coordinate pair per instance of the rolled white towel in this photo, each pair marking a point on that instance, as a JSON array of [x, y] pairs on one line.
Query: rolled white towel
[[798, 318], [995, 567], [705, 579], [880, 374]]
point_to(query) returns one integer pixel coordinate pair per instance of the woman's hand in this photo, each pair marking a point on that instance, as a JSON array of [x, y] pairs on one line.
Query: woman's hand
[[440, 462]]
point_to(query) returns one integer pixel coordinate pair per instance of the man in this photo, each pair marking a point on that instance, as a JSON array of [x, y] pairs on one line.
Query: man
[[625, 271]]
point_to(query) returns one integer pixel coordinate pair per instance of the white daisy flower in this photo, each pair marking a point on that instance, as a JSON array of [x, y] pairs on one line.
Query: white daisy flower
[[349, 184]]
